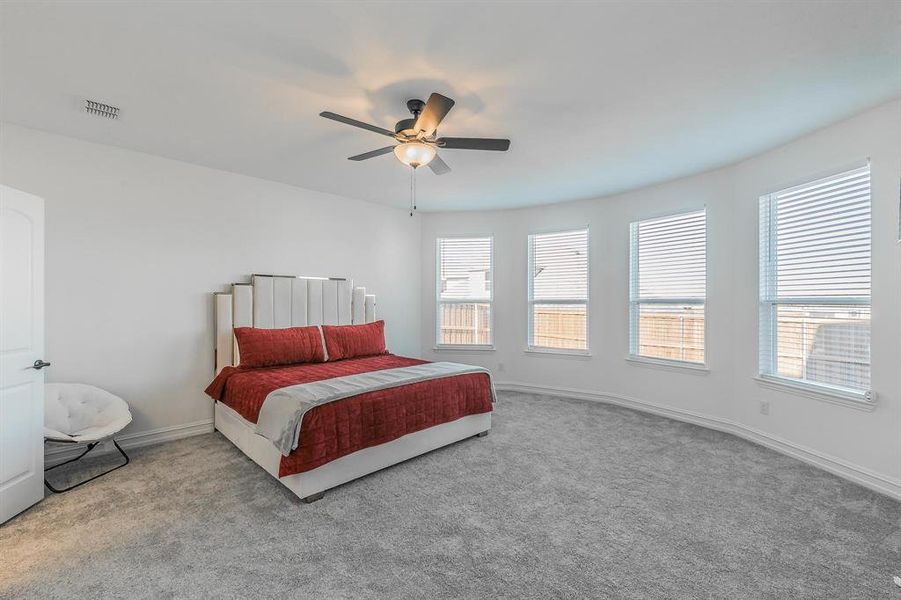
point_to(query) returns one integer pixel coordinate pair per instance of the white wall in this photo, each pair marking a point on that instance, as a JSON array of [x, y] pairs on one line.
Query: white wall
[[135, 244], [859, 444]]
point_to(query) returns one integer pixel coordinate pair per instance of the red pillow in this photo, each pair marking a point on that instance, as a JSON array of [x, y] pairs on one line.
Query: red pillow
[[351, 341], [271, 347]]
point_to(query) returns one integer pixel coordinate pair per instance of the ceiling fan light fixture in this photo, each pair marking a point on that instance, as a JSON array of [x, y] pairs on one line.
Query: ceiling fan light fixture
[[414, 154]]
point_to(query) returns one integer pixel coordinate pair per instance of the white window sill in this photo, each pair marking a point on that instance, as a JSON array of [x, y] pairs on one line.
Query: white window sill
[[562, 352], [463, 348], [856, 400], [668, 365]]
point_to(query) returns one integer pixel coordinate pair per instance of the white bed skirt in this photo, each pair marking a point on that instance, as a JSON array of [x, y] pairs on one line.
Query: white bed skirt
[[347, 468]]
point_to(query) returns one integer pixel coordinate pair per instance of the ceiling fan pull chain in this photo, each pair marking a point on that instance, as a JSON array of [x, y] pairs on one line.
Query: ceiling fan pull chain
[[412, 190]]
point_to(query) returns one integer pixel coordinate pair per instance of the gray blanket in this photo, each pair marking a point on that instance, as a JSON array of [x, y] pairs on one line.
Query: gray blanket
[[283, 410]]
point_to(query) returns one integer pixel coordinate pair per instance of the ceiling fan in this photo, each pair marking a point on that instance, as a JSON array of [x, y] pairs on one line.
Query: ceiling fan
[[418, 137]]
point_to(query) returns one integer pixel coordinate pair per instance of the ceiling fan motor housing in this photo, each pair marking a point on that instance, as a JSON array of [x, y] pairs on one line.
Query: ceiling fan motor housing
[[415, 107], [405, 126]]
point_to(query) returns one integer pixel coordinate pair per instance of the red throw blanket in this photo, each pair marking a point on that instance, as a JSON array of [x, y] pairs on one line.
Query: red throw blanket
[[340, 428]]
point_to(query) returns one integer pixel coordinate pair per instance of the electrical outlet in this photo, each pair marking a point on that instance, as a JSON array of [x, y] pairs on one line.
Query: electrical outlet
[[764, 407]]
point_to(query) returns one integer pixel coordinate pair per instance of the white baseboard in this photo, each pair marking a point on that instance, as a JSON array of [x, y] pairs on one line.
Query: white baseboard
[[860, 475], [57, 453]]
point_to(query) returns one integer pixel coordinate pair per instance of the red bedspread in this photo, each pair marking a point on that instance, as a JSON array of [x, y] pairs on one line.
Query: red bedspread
[[340, 428]]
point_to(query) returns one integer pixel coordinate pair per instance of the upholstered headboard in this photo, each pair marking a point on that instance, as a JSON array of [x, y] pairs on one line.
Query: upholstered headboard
[[276, 301]]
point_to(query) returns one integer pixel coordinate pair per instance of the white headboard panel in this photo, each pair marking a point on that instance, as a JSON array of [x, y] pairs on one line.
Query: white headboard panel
[[278, 301], [242, 310]]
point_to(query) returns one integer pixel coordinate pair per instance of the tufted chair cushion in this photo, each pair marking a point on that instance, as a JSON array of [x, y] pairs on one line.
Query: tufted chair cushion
[[82, 413]]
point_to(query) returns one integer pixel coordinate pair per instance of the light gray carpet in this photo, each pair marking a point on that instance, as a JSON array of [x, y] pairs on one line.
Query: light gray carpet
[[565, 499]]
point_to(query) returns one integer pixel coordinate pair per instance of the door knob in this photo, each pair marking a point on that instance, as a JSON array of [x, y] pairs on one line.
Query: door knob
[[39, 364]]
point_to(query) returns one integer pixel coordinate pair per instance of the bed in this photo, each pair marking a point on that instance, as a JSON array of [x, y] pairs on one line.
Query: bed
[[392, 409]]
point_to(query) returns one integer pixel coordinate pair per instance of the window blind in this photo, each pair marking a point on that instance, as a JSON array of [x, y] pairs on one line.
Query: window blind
[[558, 290], [815, 282], [668, 288], [464, 292]]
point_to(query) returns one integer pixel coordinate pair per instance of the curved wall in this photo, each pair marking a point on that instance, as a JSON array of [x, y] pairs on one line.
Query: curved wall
[[864, 445]]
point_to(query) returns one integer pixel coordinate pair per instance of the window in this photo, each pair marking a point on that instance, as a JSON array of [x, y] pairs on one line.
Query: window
[[465, 291], [815, 283], [558, 291], [668, 288]]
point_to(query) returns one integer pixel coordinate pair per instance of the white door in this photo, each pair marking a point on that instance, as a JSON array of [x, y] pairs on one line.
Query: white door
[[21, 344]]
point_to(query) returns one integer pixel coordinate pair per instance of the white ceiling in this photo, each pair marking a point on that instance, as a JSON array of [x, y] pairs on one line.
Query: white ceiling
[[597, 97]]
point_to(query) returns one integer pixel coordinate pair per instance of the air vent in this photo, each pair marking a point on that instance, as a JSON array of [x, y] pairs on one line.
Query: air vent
[[92, 107]]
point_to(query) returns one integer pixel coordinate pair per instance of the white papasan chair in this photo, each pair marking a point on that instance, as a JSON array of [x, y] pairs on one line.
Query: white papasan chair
[[77, 413]]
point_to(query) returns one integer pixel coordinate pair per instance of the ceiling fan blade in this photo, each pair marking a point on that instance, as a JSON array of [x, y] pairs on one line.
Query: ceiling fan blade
[[438, 166], [372, 154], [355, 123], [435, 110], [456, 143]]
